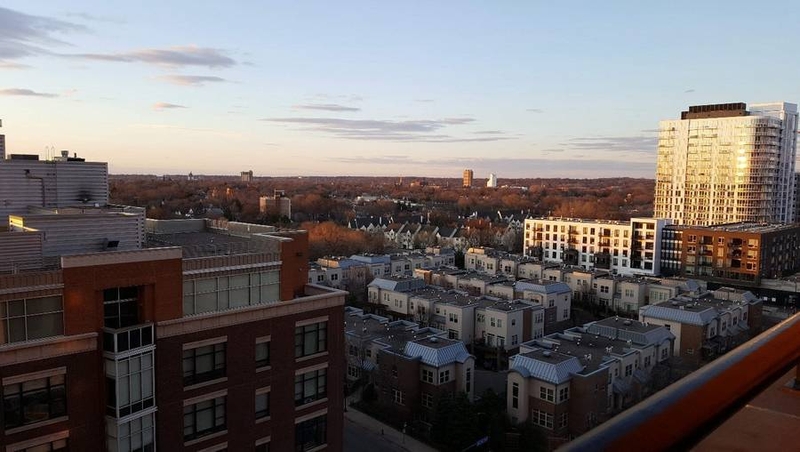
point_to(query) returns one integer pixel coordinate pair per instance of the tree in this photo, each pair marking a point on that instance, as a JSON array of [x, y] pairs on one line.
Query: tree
[[455, 422]]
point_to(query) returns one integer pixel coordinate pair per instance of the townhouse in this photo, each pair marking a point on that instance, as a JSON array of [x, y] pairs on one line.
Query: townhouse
[[569, 382]]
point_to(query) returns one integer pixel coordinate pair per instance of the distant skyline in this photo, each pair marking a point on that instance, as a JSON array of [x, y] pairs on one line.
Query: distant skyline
[[522, 89]]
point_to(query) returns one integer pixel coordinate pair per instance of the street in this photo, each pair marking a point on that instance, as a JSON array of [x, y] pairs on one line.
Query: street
[[361, 439]]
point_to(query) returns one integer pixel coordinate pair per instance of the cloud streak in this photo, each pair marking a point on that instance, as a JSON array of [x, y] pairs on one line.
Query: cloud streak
[[166, 106], [190, 80], [643, 144], [23, 35], [326, 107], [24, 92], [414, 130], [176, 56]]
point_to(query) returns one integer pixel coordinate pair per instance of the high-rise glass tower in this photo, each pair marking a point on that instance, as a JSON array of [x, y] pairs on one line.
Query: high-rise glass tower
[[724, 163]]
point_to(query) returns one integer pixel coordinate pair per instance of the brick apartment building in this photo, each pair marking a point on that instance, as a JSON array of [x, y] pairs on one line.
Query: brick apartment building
[[205, 338], [738, 253]]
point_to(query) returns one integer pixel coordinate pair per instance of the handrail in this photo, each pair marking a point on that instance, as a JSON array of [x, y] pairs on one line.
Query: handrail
[[683, 413]]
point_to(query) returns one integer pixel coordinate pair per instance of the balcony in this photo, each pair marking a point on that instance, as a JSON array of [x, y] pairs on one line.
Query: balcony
[[716, 404], [126, 339]]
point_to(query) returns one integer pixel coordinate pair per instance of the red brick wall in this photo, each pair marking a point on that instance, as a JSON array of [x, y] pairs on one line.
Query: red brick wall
[[588, 394], [243, 381], [85, 409], [294, 269], [160, 299]]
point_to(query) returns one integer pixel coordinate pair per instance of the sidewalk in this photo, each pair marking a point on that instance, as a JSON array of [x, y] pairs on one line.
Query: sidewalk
[[387, 433]]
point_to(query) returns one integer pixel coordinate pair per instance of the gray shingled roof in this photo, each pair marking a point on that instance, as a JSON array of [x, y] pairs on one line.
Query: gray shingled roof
[[555, 287], [437, 356], [555, 373], [675, 314]]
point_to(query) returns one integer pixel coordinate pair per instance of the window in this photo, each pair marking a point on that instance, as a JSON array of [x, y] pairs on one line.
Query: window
[[546, 394], [664, 352], [562, 420], [427, 376], [468, 385], [310, 339], [542, 419], [629, 370], [262, 403], [203, 418], [129, 384], [310, 434], [225, 292], [394, 371], [514, 339], [353, 371], [203, 364], [310, 386], [444, 376], [552, 303], [646, 361], [501, 341], [690, 351], [515, 395], [563, 394], [499, 323], [454, 317], [398, 397], [262, 354], [59, 445], [33, 401], [262, 447], [452, 334], [427, 400], [492, 321], [31, 318], [134, 435], [121, 307]]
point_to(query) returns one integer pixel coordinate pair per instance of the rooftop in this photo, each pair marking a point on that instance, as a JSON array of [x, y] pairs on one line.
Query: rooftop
[[751, 228]]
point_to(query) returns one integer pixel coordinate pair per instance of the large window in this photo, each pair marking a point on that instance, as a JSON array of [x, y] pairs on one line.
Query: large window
[[129, 384], [203, 364], [444, 376], [121, 307], [59, 445], [427, 376], [262, 403], [310, 434], [310, 339], [546, 394], [310, 386], [262, 353], [542, 419], [31, 318], [515, 395], [135, 435], [225, 292], [203, 418], [34, 401]]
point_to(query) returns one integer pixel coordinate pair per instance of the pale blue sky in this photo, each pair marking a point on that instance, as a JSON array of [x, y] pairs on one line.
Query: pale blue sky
[[427, 88]]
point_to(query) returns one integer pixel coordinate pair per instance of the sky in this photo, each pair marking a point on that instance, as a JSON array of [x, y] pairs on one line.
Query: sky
[[380, 88]]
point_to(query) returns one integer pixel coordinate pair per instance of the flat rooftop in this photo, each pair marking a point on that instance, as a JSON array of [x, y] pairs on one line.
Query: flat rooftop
[[751, 228]]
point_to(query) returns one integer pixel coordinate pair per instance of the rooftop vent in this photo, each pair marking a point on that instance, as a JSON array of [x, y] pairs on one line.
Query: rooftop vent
[[546, 353], [626, 323], [434, 339]]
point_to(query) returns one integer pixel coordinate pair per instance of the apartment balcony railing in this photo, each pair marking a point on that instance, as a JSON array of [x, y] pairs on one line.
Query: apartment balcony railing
[[679, 416], [130, 338]]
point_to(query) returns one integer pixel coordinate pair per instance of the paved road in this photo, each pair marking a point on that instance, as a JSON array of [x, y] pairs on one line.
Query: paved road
[[361, 439]]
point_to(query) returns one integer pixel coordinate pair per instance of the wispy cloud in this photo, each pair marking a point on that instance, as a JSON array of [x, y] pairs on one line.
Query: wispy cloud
[[689, 91], [427, 101], [166, 106], [176, 56], [489, 132], [644, 144], [326, 107], [24, 92], [13, 65], [23, 35], [190, 80], [535, 110], [93, 18], [415, 130]]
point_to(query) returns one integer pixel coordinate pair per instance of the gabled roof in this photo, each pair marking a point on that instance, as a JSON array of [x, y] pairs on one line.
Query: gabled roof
[[555, 371], [675, 314], [545, 287], [437, 351]]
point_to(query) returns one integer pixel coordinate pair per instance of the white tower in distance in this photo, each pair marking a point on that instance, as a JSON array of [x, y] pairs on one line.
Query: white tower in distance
[[492, 182]]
